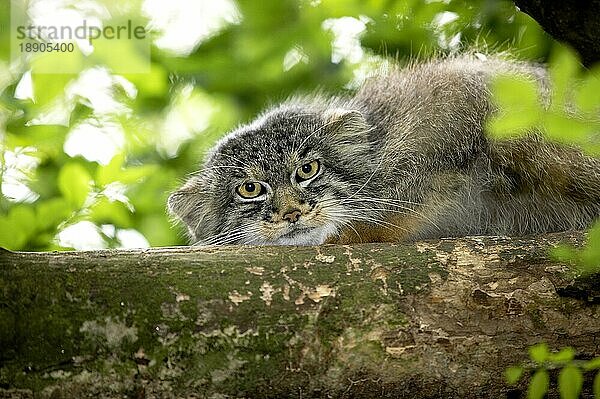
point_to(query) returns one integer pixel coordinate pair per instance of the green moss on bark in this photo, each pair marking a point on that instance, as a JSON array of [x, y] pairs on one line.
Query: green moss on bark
[[335, 321]]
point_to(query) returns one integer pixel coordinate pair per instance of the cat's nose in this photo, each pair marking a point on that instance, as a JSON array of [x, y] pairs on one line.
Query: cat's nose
[[292, 216]]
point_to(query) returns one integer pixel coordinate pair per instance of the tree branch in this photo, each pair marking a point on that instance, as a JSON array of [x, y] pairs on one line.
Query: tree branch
[[575, 22], [430, 319]]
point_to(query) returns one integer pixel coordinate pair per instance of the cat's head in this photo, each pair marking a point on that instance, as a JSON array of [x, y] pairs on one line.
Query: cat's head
[[287, 178]]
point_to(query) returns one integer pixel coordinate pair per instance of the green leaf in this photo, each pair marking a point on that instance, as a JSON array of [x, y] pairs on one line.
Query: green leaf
[[513, 124], [538, 386], [592, 364], [24, 217], [513, 92], [136, 173], [565, 128], [513, 374], [564, 253], [519, 106], [46, 139], [586, 260], [106, 212], [47, 87], [122, 56], [586, 97], [539, 353], [596, 385], [114, 171], [74, 184], [157, 230], [563, 356], [155, 83], [11, 235], [52, 212], [590, 255], [570, 381], [564, 66], [109, 173], [17, 227]]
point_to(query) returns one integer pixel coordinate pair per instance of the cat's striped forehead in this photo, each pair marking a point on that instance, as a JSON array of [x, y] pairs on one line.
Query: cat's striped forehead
[[270, 145]]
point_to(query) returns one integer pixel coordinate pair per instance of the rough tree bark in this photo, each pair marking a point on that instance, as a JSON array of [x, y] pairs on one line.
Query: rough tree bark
[[575, 22], [423, 320]]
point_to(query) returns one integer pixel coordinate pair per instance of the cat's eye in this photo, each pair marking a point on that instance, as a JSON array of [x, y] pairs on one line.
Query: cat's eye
[[250, 190], [307, 171]]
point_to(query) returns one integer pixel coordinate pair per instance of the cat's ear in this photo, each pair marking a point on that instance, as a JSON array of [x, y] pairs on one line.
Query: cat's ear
[[185, 205], [346, 122], [178, 203]]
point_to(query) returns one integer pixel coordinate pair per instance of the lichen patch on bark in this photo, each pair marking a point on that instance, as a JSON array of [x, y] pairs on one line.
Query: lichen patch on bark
[[433, 319], [112, 331]]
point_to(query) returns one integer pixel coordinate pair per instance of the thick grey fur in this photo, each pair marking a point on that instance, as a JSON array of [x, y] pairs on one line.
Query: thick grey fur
[[410, 143]]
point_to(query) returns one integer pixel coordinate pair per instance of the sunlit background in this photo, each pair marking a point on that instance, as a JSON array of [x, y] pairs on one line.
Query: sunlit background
[[88, 158]]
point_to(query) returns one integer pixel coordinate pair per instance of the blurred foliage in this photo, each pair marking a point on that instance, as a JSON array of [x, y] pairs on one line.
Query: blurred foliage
[[570, 377], [158, 124], [101, 150], [585, 261], [572, 117]]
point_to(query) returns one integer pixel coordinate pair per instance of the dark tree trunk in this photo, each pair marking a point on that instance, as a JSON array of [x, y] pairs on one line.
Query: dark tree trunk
[[437, 319], [576, 22]]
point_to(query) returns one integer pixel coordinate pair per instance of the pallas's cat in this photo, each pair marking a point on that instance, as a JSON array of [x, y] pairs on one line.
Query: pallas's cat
[[405, 158]]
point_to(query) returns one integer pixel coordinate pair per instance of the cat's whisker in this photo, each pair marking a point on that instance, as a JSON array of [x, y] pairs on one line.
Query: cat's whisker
[[351, 206], [381, 223], [381, 159], [402, 208], [348, 224], [395, 200], [397, 203], [331, 219], [384, 201], [351, 215], [368, 219], [337, 219], [230, 239], [244, 235], [252, 233], [377, 221], [253, 239], [241, 238], [219, 238], [196, 229]]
